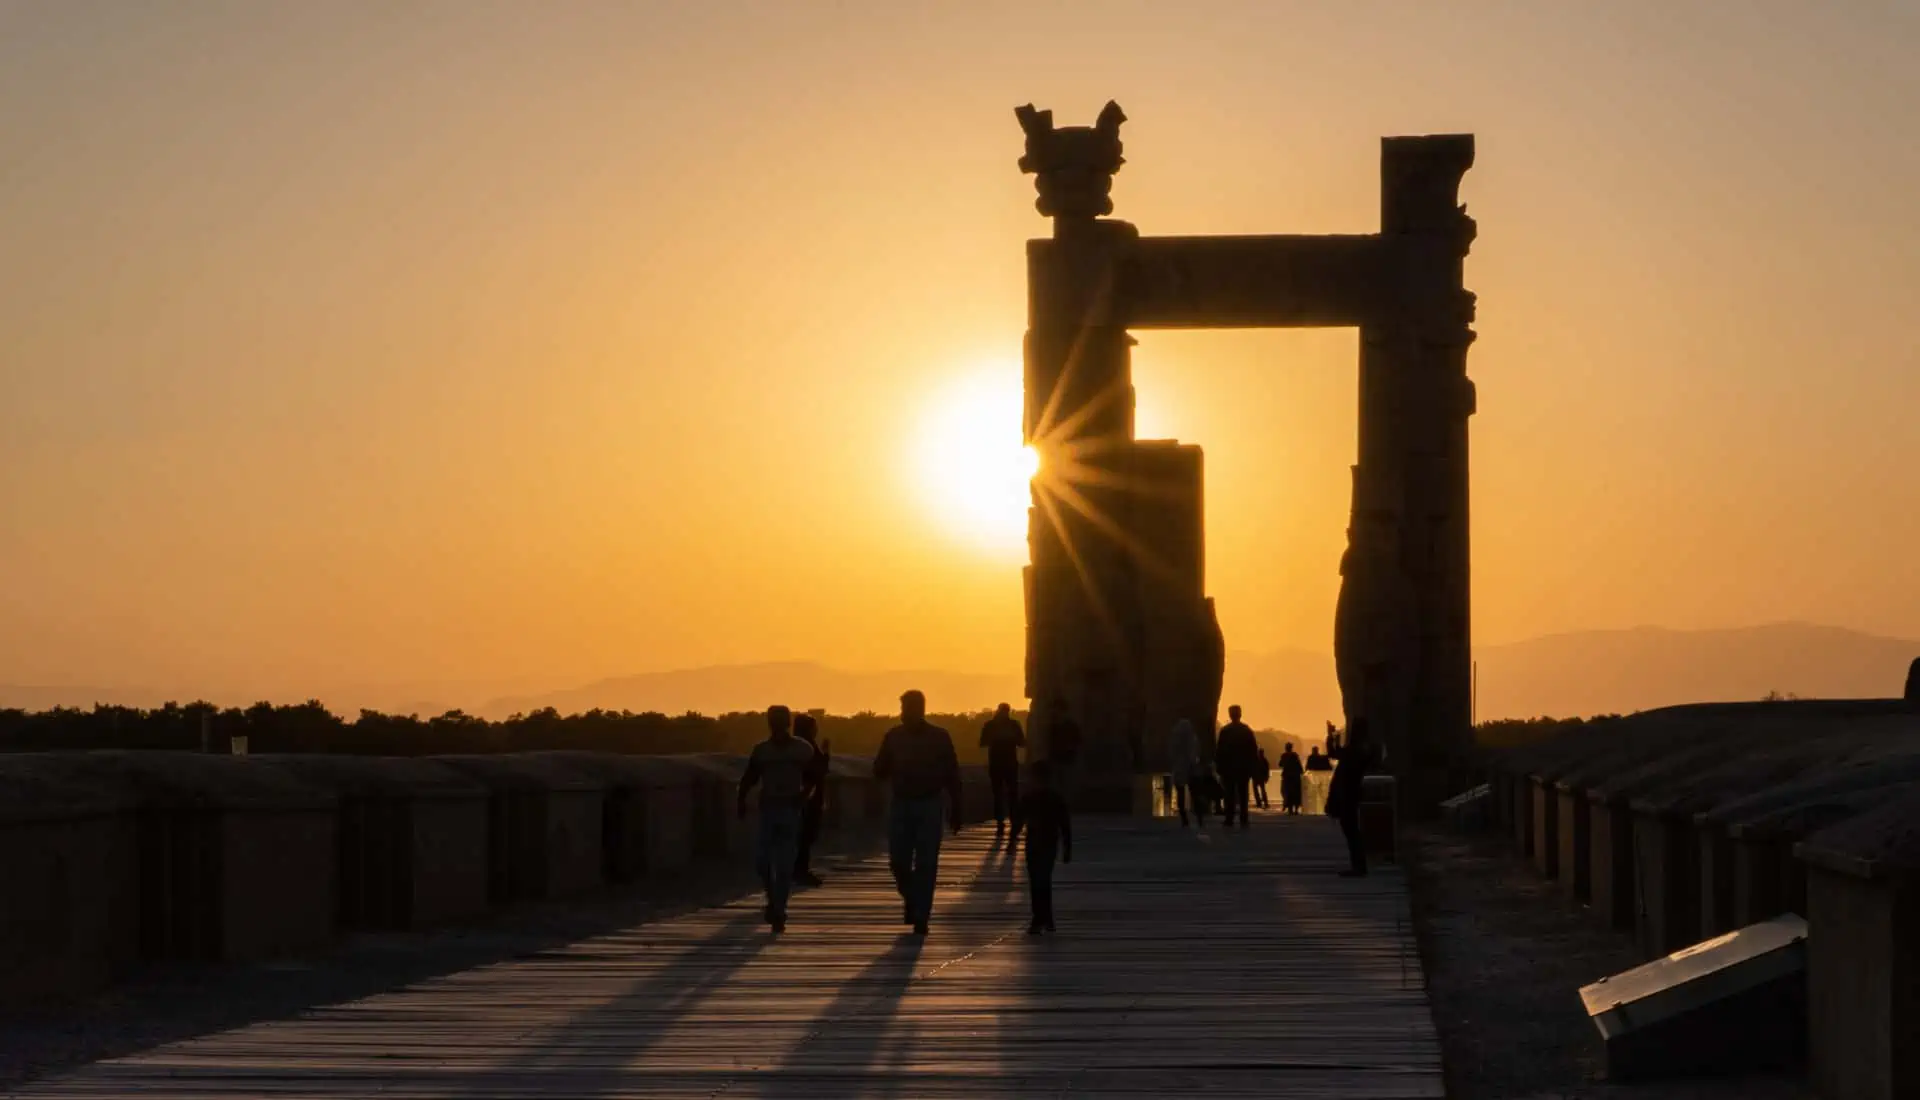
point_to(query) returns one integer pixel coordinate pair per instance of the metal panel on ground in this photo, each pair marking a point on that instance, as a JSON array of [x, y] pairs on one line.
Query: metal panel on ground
[[1734, 1003]]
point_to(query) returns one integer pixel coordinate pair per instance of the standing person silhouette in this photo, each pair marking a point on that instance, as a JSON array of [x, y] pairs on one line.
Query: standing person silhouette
[[782, 766], [918, 759], [1003, 739], [1183, 771], [1343, 794], [1236, 757], [1262, 772], [1043, 814], [808, 730], [1290, 775]]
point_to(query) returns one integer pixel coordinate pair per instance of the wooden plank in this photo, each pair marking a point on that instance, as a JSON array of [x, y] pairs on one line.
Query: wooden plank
[[1234, 964]]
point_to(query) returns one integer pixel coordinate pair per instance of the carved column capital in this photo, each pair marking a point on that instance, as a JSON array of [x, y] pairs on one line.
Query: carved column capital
[[1073, 166]]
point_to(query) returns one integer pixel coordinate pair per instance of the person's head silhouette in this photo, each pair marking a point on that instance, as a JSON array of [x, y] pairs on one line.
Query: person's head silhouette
[[1003, 711], [913, 707], [779, 722], [805, 727], [1233, 712]]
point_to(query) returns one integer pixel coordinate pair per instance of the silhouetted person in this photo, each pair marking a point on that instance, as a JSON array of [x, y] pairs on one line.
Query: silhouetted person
[[1183, 770], [1913, 682], [1316, 762], [1003, 739], [806, 729], [1049, 828], [1235, 757], [917, 757], [1262, 771], [1290, 774], [782, 765], [1343, 794]]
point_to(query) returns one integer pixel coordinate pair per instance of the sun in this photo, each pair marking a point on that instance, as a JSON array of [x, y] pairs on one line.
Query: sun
[[971, 467]]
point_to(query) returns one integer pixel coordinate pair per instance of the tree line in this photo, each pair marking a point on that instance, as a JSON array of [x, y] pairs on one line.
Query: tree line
[[310, 727]]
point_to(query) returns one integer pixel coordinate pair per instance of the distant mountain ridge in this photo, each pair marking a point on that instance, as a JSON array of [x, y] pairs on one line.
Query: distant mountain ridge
[[1589, 672], [1602, 671]]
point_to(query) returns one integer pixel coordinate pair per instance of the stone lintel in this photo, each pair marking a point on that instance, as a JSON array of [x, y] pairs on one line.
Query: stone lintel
[[1252, 281]]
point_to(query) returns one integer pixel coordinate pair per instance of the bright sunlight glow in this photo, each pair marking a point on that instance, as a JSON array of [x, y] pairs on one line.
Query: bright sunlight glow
[[972, 469]]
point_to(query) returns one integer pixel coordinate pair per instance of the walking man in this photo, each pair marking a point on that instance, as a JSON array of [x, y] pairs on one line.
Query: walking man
[[1043, 814], [918, 759], [1236, 757], [1003, 739], [1183, 770], [806, 729], [781, 765], [1343, 794]]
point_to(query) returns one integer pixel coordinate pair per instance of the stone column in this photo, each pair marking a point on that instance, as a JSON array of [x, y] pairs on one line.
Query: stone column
[[1083, 620], [1411, 483]]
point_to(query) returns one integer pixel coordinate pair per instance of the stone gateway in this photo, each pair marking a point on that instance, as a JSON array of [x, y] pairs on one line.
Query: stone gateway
[[1119, 627]]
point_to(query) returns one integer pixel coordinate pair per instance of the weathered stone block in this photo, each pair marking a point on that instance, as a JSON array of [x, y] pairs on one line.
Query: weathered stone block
[[1863, 963], [410, 838], [1546, 826], [1610, 862], [1667, 898], [67, 872], [543, 826], [235, 861], [1575, 826], [647, 812]]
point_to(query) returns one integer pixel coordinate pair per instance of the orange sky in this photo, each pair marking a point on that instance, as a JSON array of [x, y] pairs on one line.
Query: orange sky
[[514, 345]]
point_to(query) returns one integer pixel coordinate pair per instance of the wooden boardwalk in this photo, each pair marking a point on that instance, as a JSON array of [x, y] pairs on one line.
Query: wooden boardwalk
[[1223, 965]]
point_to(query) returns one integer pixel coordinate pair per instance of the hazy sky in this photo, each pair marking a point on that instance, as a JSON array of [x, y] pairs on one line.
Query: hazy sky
[[520, 344]]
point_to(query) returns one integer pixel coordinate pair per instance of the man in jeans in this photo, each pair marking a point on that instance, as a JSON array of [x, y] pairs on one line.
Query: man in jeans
[[919, 760], [783, 766], [1003, 739]]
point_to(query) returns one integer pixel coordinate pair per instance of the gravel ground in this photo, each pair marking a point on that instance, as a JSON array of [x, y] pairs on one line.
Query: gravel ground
[[1506, 956], [167, 1005]]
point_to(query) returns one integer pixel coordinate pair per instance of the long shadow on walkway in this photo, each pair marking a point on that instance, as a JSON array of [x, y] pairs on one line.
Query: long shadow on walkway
[[861, 1030], [643, 1014]]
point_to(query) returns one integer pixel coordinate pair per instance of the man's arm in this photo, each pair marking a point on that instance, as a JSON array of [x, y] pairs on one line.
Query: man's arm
[[883, 760], [747, 780], [1019, 737]]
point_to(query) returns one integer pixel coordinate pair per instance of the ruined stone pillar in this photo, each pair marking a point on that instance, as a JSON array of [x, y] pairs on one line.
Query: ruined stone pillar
[[1410, 487], [1083, 622]]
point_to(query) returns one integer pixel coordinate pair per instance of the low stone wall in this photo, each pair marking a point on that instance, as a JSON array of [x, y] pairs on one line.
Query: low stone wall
[[1701, 820], [111, 860]]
